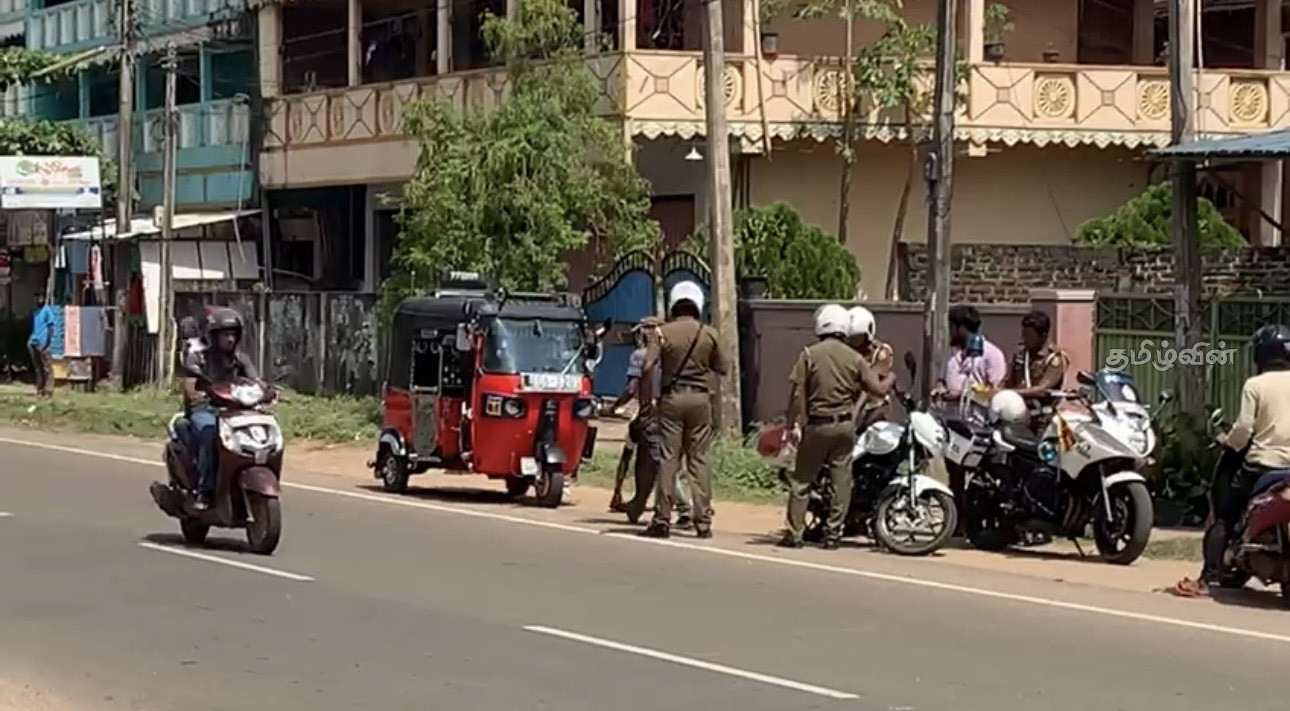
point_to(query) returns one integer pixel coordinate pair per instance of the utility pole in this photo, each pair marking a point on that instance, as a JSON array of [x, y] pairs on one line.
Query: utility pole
[[124, 163], [721, 218], [847, 106], [940, 188], [1186, 232], [165, 335]]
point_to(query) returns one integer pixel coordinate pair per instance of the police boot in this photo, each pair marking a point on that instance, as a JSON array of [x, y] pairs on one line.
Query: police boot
[[656, 530]]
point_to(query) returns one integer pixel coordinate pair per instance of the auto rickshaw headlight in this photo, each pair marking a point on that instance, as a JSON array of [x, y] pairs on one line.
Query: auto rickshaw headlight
[[512, 407], [583, 409]]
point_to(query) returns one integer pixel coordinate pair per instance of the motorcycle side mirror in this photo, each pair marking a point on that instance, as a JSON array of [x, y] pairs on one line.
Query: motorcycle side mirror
[[911, 364], [1165, 397], [1216, 417]]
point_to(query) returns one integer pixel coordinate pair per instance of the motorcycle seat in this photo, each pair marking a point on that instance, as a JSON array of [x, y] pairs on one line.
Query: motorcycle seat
[[1021, 437], [1268, 480], [966, 428]]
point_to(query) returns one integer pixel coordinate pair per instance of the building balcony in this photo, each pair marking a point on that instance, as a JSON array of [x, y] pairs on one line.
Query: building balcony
[[660, 93], [83, 24], [212, 158]]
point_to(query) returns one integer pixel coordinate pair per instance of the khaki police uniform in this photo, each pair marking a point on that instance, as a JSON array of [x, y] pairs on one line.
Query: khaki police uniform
[[1045, 368], [687, 355], [646, 432], [829, 377], [881, 358]]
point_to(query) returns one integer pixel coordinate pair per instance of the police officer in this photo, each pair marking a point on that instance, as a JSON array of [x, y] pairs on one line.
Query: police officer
[[1037, 369], [827, 380], [881, 359], [688, 354]]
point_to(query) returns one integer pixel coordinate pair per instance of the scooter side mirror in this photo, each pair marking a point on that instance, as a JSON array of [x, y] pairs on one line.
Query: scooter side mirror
[[1216, 417]]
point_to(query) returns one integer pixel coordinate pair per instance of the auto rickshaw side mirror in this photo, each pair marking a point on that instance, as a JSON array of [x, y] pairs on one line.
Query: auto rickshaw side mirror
[[463, 337]]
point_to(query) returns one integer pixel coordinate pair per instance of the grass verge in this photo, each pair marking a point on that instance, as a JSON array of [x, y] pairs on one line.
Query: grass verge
[[146, 412], [738, 473]]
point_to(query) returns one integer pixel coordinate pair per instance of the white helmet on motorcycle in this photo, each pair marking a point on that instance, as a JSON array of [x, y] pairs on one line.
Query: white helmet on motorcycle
[[832, 320], [1009, 408], [862, 323], [685, 291]]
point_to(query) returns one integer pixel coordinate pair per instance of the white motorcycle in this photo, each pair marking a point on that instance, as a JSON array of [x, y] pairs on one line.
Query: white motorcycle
[[1087, 468]]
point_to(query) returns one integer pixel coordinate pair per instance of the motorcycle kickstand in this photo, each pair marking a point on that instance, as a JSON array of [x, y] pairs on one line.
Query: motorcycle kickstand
[[1078, 548]]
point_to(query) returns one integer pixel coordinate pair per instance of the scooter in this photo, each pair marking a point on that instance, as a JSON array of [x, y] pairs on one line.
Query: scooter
[[249, 449], [1261, 548], [1087, 468]]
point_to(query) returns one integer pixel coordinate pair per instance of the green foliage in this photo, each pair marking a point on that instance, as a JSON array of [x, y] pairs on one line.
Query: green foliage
[[27, 66], [797, 260], [772, 9], [998, 22], [1184, 461], [1144, 221], [508, 191]]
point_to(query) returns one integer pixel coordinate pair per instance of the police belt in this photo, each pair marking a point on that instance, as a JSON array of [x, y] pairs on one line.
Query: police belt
[[684, 388], [828, 419]]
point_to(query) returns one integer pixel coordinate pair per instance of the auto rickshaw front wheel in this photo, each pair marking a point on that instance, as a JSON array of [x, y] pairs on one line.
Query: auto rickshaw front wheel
[[394, 472], [548, 489]]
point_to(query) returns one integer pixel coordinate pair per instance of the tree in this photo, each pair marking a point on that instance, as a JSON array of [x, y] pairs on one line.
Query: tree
[[508, 191], [797, 260], [1144, 221]]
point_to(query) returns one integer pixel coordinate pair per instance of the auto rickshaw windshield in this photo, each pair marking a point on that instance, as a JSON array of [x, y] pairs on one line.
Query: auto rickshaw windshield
[[533, 346]]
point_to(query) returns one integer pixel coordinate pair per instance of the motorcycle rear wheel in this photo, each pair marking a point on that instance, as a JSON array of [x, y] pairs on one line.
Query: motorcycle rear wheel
[[265, 530]]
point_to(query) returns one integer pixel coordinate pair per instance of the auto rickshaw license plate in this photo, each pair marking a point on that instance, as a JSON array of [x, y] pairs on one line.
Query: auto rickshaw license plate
[[528, 466]]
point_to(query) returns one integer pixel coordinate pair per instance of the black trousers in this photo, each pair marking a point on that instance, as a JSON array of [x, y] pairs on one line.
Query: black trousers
[[1233, 483]]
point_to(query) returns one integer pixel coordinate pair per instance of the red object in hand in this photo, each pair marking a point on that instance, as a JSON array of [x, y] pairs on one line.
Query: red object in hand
[[771, 441]]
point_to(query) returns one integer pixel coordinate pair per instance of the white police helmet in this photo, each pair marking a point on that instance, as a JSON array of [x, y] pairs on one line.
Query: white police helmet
[[832, 320], [862, 323], [685, 291], [1008, 407]]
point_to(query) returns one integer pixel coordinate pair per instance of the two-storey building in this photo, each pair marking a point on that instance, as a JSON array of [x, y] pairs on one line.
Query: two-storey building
[[1053, 133], [215, 89]]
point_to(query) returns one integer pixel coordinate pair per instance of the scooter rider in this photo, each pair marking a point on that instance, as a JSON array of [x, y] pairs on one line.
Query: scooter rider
[[220, 362], [1263, 426], [827, 380]]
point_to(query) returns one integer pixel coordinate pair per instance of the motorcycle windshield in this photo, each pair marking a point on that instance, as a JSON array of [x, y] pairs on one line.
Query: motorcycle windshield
[[1117, 387]]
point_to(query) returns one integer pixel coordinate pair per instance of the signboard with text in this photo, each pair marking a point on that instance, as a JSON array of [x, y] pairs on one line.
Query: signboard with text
[[50, 183]]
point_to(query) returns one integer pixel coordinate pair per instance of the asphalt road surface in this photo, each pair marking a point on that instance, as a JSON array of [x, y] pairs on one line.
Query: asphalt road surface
[[368, 605]]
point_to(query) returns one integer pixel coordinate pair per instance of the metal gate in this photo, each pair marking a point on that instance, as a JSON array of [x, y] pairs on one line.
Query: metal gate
[[632, 289]]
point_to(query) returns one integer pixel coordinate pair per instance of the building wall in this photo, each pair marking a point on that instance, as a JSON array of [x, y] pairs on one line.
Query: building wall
[[986, 273], [1019, 195]]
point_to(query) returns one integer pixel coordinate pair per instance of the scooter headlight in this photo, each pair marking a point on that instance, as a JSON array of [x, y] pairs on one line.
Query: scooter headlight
[[251, 439], [248, 395]]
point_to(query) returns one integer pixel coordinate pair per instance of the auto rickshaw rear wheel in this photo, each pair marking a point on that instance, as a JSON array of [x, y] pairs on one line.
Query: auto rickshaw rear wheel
[[517, 486], [394, 472], [548, 489]]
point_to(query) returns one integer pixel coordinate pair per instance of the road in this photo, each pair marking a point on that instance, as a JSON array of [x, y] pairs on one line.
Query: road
[[376, 605]]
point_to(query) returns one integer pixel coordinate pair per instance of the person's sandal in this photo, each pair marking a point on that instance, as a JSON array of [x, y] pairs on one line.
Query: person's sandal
[[1189, 588]]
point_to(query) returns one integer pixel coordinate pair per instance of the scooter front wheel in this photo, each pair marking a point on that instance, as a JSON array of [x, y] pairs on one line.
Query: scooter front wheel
[[264, 530]]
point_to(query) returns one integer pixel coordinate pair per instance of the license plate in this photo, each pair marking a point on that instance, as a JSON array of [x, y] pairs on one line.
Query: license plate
[[528, 466]]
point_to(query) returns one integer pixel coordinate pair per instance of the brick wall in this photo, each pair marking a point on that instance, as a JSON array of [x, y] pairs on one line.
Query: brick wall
[[992, 273]]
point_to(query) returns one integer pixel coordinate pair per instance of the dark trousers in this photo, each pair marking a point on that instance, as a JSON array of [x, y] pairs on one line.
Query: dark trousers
[[1232, 487], [43, 368]]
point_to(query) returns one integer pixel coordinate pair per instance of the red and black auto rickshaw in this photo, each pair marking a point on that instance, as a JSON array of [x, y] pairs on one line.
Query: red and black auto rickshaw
[[482, 382]]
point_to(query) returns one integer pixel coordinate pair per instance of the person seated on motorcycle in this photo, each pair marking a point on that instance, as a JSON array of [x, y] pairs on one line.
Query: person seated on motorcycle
[[1263, 426], [881, 359], [220, 362], [192, 346], [826, 382], [1037, 369]]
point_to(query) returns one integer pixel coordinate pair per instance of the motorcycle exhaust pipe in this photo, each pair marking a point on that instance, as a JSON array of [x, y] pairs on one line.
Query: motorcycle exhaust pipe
[[164, 496]]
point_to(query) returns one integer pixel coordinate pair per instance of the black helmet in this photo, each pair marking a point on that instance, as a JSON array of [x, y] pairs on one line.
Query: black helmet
[[1271, 347], [224, 319]]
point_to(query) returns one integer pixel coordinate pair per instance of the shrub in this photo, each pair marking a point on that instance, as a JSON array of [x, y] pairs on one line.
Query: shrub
[[1144, 221]]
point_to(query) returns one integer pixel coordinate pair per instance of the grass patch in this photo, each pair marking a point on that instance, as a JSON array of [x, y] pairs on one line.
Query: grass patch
[[1189, 548], [738, 473], [146, 412]]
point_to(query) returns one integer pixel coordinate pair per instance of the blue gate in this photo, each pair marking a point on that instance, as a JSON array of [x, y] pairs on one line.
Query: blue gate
[[630, 291]]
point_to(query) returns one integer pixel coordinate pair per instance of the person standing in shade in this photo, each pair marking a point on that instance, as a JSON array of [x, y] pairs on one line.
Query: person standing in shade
[[826, 382], [688, 354], [644, 439], [880, 357], [40, 344], [1037, 369]]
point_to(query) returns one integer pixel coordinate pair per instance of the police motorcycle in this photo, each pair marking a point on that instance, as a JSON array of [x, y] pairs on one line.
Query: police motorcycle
[[1085, 469], [893, 499]]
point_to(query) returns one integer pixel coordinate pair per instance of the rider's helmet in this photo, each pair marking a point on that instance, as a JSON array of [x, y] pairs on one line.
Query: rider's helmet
[[862, 323], [683, 292], [1008, 407], [223, 319], [1271, 347], [832, 320]]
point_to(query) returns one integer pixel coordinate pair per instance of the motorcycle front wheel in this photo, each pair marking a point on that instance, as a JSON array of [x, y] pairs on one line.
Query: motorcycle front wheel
[[934, 510], [1122, 539]]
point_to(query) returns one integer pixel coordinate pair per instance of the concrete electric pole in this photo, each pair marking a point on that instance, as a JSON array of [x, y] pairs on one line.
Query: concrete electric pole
[[165, 314], [940, 189], [1186, 232], [721, 218], [124, 181]]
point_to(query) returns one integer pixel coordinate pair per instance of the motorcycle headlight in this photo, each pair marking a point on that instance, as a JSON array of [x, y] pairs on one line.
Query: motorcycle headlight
[[1047, 452]]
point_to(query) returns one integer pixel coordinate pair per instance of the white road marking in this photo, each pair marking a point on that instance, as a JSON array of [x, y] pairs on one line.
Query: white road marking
[[225, 561], [691, 662], [5, 514], [791, 562]]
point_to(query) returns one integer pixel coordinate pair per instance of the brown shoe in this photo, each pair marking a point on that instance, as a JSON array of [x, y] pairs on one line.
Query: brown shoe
[[703, 533]]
